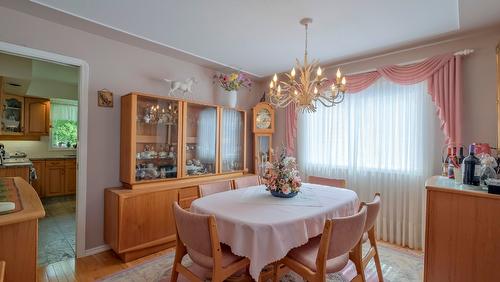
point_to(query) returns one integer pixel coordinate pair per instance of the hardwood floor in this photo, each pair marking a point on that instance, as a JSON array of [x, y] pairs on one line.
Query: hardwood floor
[[88, 268]]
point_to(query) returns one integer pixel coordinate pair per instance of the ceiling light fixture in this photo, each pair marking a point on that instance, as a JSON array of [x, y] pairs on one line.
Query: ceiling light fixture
[[304, 90]]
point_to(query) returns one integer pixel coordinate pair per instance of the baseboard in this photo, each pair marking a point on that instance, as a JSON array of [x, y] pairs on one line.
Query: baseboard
[[96, 250]]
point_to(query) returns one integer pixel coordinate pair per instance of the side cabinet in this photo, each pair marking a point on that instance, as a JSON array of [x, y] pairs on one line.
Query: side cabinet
[[140, 223]]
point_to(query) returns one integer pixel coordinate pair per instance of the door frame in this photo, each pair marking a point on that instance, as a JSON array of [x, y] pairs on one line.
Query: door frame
[[81, 155]]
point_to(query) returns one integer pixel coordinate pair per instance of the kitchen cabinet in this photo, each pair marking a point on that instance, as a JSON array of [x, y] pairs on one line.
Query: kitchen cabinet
[[70, 176], [37, 116], [13, 171], [24, 117], [38, 183], [12, 115], [54, 178]]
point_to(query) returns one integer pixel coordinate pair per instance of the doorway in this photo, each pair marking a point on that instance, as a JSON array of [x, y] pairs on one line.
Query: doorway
[[62, 203]]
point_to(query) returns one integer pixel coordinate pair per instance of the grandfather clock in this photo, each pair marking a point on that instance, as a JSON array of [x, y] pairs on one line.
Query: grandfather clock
[[263, 129]]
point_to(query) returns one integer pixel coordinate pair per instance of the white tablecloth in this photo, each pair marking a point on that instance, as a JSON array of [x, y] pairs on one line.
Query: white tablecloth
[[263, 228]]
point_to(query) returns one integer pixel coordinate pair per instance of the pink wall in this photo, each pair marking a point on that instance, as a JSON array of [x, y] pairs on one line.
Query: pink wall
[[120, 68], [479, 83]]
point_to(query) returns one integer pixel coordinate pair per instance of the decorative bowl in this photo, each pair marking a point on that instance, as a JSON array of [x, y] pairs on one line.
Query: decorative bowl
[[280, 194]]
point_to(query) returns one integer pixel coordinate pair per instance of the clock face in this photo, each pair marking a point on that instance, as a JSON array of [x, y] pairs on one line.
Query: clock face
[[263, 119]]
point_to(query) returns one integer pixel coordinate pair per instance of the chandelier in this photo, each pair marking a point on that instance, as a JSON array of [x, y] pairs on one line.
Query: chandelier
[[308, 86]]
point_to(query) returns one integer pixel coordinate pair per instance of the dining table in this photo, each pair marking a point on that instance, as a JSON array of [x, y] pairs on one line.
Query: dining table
[[264, 228]]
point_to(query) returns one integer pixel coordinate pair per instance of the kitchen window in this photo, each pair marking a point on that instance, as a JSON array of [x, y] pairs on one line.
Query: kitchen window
[[64, 124]]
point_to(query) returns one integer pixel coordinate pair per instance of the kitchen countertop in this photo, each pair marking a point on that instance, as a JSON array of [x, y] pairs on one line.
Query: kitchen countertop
[[39, 158], [32, 206]]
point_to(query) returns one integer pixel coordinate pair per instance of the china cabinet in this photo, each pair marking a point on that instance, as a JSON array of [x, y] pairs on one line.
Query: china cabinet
[[164, 139], [168, 148], [263, 129]]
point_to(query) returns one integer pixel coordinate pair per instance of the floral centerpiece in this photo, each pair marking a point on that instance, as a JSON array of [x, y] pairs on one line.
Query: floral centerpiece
[[282, 176], [229, 84], [233, 81]]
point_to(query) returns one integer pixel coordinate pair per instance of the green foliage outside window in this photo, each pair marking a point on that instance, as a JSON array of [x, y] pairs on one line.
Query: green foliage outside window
[[64, 133]]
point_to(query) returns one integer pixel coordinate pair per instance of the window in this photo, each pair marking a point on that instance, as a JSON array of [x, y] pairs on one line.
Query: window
[[64, 121], [379, 129]]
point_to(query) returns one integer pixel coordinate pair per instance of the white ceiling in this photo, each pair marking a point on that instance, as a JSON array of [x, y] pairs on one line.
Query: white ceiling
[[262, 37]]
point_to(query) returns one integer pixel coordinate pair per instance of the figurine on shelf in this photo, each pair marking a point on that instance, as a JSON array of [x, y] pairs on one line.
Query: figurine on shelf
[[171, 152]]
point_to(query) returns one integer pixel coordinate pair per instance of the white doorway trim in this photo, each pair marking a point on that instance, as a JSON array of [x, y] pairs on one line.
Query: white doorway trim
[[83, 84]]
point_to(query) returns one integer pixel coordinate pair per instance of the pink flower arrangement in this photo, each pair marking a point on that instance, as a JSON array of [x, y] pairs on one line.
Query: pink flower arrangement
[[233, 81], [282, 175]]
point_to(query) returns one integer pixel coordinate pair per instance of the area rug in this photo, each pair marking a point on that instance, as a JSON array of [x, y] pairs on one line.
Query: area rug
[[398, 265]]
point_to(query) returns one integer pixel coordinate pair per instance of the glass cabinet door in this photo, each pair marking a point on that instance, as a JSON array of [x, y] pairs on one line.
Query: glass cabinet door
[[156, 138], [12, 115], [200, 139], [232, 140], [262, 152]]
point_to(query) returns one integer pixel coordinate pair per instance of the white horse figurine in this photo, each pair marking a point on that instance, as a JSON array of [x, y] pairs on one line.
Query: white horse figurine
[[185, 86]]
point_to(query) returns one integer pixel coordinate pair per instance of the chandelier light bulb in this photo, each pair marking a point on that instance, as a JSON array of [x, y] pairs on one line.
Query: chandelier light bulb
[[275, 78], [271, 84], [343, 80], [315, 90], [339, 74], [319, 72], [292, 73], [279, 88]]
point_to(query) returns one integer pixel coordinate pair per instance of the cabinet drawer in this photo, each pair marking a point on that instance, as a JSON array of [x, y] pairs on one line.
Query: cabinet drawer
[[54, 163], [186, 193], [70, 163]]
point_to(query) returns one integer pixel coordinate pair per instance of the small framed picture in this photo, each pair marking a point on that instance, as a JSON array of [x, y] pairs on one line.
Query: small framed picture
[[105, 98]]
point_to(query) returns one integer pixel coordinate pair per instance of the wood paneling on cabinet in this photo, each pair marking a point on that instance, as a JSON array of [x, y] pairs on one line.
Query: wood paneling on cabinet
[[37, 115], [13, 171], [462, 233], [139, 222]]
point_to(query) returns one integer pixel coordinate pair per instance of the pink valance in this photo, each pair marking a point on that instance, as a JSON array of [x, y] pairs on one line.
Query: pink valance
[[444, 76]]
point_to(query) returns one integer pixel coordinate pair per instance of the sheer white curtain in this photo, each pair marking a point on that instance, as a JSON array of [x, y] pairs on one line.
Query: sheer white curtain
[[232, 128], [382, 139], [207, 129]]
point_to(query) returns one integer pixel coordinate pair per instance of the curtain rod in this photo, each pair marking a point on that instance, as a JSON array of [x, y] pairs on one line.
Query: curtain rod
[[464, 52]]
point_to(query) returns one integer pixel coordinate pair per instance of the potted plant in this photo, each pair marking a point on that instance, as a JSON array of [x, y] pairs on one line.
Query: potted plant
[[230, 84], [282, 176]]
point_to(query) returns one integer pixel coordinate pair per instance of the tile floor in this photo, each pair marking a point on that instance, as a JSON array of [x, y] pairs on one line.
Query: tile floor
[[56, 231]]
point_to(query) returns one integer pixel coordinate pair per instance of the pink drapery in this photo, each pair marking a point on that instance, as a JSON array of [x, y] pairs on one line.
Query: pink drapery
[[291, 128], [444, 76]]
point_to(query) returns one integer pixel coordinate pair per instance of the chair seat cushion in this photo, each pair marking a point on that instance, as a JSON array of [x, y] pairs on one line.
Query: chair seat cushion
[[205, 261], [307, 254]]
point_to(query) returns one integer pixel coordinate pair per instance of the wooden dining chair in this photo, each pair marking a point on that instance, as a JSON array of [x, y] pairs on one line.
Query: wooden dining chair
[[246, 181], [197, 237], [356, 254], [214, 187], [328, 253], [339, 183]]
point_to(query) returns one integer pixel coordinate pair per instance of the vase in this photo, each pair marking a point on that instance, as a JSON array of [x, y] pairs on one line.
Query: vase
[[280, 194], [227, 98]]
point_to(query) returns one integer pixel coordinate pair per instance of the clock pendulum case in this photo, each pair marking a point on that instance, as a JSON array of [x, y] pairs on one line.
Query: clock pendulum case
[[263, 129]]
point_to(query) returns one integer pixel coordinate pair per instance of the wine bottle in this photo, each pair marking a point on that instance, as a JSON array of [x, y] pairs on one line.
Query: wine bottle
[[472, 168]]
